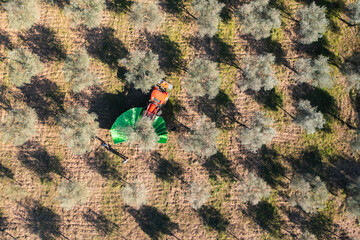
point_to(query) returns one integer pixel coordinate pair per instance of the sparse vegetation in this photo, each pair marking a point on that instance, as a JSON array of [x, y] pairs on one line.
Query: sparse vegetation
[[308, 117], [143, 70], [202, 78], [71, 194], [208, 16], [258, 73], [77, 73], [85, 12], [18, 126], [135, 194], [252, 189], [258, 18], [199, 193], [146, 15], [22, 14], [78, 128], [23, 65]]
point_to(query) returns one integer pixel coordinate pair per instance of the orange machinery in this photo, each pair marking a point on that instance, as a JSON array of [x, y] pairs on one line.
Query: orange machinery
[[159, 97]]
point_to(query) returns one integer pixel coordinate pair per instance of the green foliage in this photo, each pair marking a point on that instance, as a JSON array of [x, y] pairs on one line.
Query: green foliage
[[308, 192], [85, 12], [143, 134], [258, 18], [78, 128], [208, 12], [23, 65], [352, 73], [202, 141], [353, 200], [135, 194], [258, 134], [146, 15], [308, 117], [22, 14], [76, 71], [199, 193], [72, 193], [18, 125], [316, 71], [252, 189], [313, 23], [353, 12], [143, 69], [202, 79], [258, 73]]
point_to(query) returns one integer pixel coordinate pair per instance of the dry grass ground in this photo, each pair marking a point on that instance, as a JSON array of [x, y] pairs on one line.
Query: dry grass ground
[[40, 165]]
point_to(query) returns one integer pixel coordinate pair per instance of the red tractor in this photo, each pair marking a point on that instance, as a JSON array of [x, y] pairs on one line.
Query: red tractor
[[159, 97]]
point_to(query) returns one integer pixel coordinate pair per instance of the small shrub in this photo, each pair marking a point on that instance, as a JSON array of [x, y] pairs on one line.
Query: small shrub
[[23, 66], [208, 12], [143, 134], [309, 193], [252, 189], [78, 128], [355, 144], [198, 194], [135, 194], [202, 141], [71, 194], [258, 134], [85, 12], [22, 14], [313, 23], [146, 15], [143, 70], [353, 200], [306, 235], [258, 18], [316, 71], [308, 117], [258, 73], [202, 79], [18, 125], [76, 71], [353, 12], [14, 192]]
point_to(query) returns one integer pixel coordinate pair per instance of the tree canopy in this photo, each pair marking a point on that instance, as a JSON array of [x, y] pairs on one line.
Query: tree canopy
[[353, 12], [199, 193], [252, 189], [22, 14], [146, 15], [135, 194], [208, 16], [85, 12], [353, 199], [72, 193], [308, 117]]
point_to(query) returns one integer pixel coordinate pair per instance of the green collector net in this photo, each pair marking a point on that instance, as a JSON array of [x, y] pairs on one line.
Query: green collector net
[[128, 119]]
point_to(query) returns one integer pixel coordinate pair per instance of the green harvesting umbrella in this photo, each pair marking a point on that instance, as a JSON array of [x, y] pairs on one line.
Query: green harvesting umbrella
[[129, 118]]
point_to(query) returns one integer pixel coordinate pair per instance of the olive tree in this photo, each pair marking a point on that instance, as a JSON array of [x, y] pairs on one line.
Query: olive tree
[[313, 23], [315, 71], [252, 189], [72, 193], [353, 199], [135, 194], [146, 15], [143, 69], [78, 128], [199, 193], [258, 73], [18, 125], [142, 134], [23, 65], [355, 144], [306, 235], [77, 72], [208, 16], [308, 192], [85, 12], [353, 12], [258, 134], [202, 140], [351, 71], [258, 18], [202, 78], [308, 117], [22, 14]]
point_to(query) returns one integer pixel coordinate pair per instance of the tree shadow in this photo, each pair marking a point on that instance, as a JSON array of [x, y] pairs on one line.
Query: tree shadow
[[212, 218], [6, 172], [321, 226], [172, 109], [271, 169], [42, 221], [166, 170], [45, 97], [3, 222], [119, 6], [153, 222], [36, 158], [218, 165], [103, 225], [228, 9], [43, 42], [109, 106], [172, 6], [272, 100], [5, 40], [170, 55], [103, 45]]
